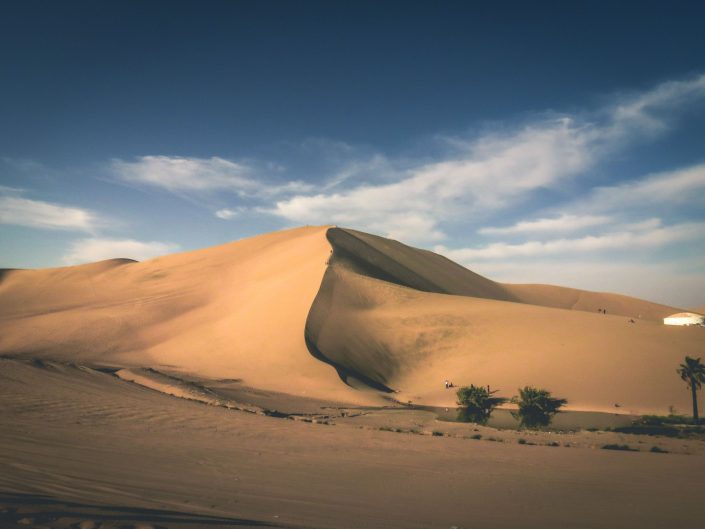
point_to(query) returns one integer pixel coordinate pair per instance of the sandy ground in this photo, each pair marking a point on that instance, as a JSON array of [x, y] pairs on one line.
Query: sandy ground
[[84, 447]]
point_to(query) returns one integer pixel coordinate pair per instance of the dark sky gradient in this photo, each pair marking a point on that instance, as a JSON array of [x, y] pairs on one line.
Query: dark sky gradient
[[91, 80]]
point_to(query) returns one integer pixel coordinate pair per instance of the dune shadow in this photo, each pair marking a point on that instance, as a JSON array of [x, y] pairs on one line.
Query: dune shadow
[[344, 373]]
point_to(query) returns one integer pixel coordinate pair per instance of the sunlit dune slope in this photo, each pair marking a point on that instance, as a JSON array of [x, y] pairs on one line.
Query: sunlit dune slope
[[231, 311]]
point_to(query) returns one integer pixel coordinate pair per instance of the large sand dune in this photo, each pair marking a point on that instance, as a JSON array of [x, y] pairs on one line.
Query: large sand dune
[[232, 311], [285, 311]]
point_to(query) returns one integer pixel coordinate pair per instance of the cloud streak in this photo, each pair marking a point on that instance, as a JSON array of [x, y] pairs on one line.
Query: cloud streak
[[179, 174], [563, 223], [644, 236], [492, 173], [496, 171], [46, 215]]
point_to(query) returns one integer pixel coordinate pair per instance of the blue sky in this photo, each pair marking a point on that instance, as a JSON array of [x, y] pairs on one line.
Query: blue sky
[[532, 142]]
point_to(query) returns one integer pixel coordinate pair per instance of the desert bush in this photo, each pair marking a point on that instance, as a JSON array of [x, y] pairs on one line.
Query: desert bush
[[477, 403], [536, 406]]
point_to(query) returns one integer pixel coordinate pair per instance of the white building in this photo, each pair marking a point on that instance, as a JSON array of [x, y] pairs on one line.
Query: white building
[[684, 318]]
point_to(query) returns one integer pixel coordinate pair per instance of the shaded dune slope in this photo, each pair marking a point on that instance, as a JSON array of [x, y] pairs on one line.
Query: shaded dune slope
[[404, 265]]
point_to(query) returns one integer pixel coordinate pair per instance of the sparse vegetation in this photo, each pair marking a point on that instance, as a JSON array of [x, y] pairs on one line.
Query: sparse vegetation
[[477, 436], [692, 371], [436, 433], [536, 406], [477, 403], [658, 450]]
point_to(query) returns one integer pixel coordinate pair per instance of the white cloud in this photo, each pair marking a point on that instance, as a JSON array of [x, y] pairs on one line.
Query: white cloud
[[492, 173], [176, 173], [199, 175], [641, 238], [97, 249], [227, 213], [647, 112], [562, 223], [495, 171], [674, 187], [38, 214]]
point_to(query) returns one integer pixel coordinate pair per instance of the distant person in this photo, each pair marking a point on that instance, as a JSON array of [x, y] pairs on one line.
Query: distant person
[[446, 382]]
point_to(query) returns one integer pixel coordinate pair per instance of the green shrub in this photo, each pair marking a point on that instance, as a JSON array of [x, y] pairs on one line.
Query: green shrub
[[477, 403], [536, 406]]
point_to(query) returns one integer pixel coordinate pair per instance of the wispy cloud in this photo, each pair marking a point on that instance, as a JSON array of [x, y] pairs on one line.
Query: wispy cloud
[[644, 236], [227, 213], [668, 188], [200, 175], [562, 223], [98, 249], [492, 173], [649, 112], [495, 171], [38, 214]]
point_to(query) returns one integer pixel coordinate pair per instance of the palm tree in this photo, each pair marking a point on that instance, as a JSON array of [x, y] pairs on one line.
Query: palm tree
[[693, 372], [536, 406], [477, 403]]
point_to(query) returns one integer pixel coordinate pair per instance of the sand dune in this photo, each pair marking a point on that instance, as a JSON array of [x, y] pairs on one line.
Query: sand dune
[[236, 310], [574, 299], [413, 341], [282, 310]]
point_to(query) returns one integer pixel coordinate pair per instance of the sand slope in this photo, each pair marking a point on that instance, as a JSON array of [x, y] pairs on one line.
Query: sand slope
[[413, 341], [231, 311], [80, 446]]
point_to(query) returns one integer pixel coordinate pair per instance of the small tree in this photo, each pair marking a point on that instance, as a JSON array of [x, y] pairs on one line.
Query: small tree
[[477, 403], [692, 371], [536, 406]]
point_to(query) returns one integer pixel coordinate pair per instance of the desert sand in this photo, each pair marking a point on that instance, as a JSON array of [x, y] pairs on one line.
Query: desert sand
[[266, 382]]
